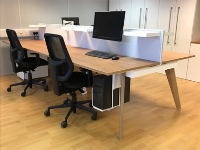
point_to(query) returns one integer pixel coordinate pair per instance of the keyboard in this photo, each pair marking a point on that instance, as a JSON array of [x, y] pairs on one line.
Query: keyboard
[[100, 54]]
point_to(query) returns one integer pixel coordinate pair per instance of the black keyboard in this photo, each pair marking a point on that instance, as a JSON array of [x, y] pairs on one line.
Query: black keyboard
[[100, 54]]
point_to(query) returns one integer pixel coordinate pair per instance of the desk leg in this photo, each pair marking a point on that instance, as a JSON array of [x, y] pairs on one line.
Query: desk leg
[[173, 85], [121, 104]]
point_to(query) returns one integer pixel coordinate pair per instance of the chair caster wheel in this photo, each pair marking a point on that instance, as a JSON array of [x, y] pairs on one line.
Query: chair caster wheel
[[46, 89], [44, 82], [47, 113], [94, 116], [90, 104], [64, 124], [23, 94], [9, 89]]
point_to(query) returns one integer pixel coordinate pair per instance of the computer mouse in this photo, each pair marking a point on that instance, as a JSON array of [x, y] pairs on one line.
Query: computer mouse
[[115, 58]]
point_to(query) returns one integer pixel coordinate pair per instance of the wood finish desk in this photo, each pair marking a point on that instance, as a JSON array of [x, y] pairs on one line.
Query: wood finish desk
[[110, 67]]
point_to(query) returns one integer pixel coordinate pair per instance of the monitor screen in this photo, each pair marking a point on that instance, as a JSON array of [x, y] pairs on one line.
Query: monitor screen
[[109, 25], [70, 20]]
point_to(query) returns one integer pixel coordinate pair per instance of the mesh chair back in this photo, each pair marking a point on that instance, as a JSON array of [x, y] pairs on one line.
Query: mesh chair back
[[14, 41], [60, 63], [17, 52]]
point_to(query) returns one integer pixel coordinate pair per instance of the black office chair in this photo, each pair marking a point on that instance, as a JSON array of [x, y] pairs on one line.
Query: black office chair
[[64, 79], [22, 63]]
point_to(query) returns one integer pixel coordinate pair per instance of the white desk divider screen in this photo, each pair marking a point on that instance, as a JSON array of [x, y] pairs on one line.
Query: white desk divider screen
[[144, 44]]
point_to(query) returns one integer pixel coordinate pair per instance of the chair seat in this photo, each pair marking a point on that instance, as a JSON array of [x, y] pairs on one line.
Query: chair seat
[[31, 63], [77, 80]]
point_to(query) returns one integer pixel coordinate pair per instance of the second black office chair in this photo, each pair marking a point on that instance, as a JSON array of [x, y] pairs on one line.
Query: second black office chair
[[64, 79], [22, 63]]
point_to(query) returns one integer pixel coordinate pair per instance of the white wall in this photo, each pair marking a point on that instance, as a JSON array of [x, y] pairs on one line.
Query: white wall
[[85, 9], [18, 14]]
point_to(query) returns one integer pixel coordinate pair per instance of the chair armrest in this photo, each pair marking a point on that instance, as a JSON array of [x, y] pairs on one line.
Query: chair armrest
[[19, 58], [37, 58], [55, 64], [65, 77], [13, 50], [25, 53]]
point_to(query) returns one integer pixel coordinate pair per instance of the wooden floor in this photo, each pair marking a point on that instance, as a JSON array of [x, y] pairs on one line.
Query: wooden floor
[[151, 121]]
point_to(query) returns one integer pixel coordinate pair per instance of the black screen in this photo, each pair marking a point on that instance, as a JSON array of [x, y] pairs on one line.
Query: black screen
[[74, 19], [109, 25]]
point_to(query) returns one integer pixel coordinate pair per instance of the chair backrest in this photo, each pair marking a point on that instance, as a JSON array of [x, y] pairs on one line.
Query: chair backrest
[[60, 63], [17, 52]]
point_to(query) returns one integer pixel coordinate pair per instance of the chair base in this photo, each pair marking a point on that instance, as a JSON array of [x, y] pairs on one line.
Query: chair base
[[29, 83], [73, 104]]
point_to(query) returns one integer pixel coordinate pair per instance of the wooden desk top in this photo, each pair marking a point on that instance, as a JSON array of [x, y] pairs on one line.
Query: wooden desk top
[[103, 66]]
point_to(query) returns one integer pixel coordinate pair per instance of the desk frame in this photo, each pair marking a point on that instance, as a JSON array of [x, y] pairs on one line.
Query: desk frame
[[170, 73], [127, 68]]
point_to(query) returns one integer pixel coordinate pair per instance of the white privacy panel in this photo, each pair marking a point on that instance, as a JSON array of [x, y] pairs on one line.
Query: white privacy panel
[[137, 46], [149, 48]]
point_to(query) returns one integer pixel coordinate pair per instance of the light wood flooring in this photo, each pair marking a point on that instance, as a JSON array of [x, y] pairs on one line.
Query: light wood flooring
[[151, 121]]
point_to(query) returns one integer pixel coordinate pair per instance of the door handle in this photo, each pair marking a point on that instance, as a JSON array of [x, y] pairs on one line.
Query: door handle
[[145, 24], [175, 38], [169, 27], [140, 15]]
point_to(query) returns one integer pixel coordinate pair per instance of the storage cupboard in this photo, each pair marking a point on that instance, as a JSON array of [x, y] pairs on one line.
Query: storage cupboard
[[122, 5], [139, 13], [177, 16], [194, 64]]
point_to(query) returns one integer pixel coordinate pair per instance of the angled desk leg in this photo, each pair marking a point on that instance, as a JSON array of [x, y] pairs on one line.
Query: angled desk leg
[[173, 85], [121, 104]]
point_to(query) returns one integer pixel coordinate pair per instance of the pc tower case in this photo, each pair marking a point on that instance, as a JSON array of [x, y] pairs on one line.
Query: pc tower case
[[102, 92]]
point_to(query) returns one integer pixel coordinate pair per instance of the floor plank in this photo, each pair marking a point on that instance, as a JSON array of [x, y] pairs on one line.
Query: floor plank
[[151, 120]]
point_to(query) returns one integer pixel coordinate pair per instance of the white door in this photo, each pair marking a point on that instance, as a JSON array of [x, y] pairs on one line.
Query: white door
[[193, 72], [125, 5], [137, 14], [166, 21], [114, 5], [151, 14], [183, 25]]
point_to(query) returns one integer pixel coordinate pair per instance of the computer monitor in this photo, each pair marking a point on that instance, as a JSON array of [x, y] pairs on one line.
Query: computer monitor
[[109, 25], [70, 20]]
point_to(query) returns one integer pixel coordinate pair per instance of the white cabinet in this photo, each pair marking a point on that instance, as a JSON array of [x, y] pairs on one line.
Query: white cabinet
[[183, 24], [151, 14], [125, 5], [144, 14], [114, 5], [122, 5], [193, 72], [177, 16], [166, 21], [137, 14]]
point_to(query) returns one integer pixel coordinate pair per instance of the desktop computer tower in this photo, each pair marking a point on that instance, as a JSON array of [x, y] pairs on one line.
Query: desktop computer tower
[[102, 92]]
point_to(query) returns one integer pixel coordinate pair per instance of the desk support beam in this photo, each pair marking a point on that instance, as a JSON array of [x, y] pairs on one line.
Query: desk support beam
[[173, 85], [121, 104]]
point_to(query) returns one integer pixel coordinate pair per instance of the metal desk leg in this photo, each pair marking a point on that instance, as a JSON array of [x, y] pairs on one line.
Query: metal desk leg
[[121, 104], [173, 85]]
